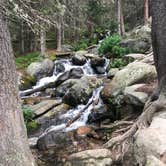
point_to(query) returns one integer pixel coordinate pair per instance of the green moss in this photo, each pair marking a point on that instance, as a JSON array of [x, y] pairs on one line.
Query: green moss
[[24, 61], [32, 125]]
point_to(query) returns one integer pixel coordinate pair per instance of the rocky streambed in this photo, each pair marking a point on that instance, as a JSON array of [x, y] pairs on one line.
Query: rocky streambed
[[80, 103]]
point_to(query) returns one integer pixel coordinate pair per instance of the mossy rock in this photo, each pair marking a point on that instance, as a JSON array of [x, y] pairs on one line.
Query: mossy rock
[[26, 81]]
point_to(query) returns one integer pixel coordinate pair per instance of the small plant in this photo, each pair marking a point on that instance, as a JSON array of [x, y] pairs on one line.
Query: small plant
[[118, 62], [31, 124], [112, 45], [25, 60]]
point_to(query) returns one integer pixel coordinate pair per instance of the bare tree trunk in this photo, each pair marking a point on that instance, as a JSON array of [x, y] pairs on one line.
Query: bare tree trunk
[[14, 149], [146, 11], [122, 24], [59, 33], [43, 42], [119, 16], [22, 38]]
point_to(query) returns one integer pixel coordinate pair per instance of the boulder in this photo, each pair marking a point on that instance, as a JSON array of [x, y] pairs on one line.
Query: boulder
[[112, 72], [54, 140], [32, 142], [95, 157], [44, 106], [100, 70], [79, 59], [59, 67], [26, 81], [151, 142], [67, 48], [81, 91], [137, 45], [41, 69], [97, 61], [72, 74], [132, 96], [153, 161], [133, 73]]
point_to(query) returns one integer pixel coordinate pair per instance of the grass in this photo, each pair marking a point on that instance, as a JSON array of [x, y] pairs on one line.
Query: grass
[[24, 61]]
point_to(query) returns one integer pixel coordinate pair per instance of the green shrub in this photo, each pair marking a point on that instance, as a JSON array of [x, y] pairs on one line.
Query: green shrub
[[112, 45], [81, 45], [25, 60], [118, 62], [28, 119]]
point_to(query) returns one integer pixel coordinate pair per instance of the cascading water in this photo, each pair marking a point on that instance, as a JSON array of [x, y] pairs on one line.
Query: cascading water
[[81, 111]]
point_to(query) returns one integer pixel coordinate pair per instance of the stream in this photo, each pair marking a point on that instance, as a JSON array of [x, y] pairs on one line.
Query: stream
[[81, 112]]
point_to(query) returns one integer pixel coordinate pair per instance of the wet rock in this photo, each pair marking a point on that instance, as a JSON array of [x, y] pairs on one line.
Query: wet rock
[[100, 70], [72, 74], [41, 69], [26, 81], [151, 141], [135, 72], [59, 67], [81, 91], [62, 89], [134, 97], [98, 157], [97, 61], [54, 140], [112, 72], [100, 114], [79, 59], [91, 55], [33, 142]]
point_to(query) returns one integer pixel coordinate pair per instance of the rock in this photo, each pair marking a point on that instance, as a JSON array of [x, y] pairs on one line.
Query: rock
[[112, 72], [54, 140], [133, 73], [56, 110], [153, 161], [81, 91], [91, 55], [132, 96], [100, 114], [97, 61], [95, 157], [100, 70], [150, 141], [137, 45], [62, 89], [44, 106], [26, 81], [41, 69], [72, 74], [32, 142], [59, 67], [139, 40], [84, 130], [135, 56], [78, 59], [67, 48]]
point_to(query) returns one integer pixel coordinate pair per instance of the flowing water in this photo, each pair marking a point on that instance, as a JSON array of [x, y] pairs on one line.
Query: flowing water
[[82, 111]]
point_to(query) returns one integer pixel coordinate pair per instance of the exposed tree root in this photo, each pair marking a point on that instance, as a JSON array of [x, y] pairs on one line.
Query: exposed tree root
[[122, 142]]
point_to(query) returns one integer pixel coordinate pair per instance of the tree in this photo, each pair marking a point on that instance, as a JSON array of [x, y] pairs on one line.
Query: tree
[[157, 102], [146, 11], [14, 146]]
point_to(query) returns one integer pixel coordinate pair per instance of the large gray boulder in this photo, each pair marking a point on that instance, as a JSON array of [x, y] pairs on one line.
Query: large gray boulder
[[134, 97], [135, 72], [95, 157], [41, 69], [81, 91], [79, 58], [151, 142], [139, 40]]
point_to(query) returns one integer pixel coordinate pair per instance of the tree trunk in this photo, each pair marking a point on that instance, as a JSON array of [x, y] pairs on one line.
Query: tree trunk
[[22, 38], [159, 40], [14, 149], [43, 42], [121, 28], [146, 11], [59, 34]]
